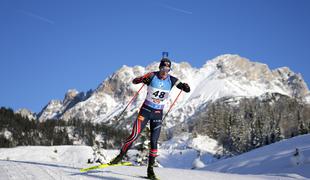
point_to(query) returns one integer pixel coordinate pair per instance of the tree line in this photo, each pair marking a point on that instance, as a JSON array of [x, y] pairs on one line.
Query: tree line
[[16, 130], [243, 125]]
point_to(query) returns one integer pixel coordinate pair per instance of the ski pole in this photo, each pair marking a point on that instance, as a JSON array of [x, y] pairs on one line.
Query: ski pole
[[172, 105], [130, 102]]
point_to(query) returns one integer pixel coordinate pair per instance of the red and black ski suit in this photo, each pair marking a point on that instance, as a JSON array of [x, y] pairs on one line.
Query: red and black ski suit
[[149, 114]]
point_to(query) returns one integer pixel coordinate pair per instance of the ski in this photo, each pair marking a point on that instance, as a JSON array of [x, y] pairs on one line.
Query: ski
[[105, 165]]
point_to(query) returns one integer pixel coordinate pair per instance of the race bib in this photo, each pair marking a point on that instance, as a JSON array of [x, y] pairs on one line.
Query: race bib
[[157, 96]]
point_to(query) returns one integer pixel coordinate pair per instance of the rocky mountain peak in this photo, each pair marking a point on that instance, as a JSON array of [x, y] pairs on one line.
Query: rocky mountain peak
[[293, 80], [70, 95], [235, 66]]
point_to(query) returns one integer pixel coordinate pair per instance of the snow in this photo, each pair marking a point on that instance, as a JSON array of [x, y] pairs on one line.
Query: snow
[[307, 98], [28, 170], [51, 110], [276, 158], [205, 144], [197, 164], [7, 134], [200, 143], [275, 161], [186, 152]]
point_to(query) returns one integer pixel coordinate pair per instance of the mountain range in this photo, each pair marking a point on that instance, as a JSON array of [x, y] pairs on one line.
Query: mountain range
[[224, 76]]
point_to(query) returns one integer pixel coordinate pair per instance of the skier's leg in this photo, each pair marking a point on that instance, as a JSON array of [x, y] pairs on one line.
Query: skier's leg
[[139, 125], [155, 125]]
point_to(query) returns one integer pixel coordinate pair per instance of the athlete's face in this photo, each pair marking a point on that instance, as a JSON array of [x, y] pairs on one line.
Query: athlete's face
[[163, 71]]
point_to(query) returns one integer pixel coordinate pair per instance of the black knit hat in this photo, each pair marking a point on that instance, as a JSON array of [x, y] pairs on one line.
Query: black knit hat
[[165, 62]]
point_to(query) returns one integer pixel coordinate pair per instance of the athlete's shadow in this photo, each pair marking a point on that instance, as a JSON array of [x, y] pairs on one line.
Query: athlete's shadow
[[105, 175], [93, 174], [40, 164], [64, 167]]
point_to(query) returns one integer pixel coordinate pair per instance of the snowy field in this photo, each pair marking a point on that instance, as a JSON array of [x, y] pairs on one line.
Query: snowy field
[[276, 161]]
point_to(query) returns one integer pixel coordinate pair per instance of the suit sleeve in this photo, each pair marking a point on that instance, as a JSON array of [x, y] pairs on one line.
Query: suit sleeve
[[183, 86], [139, 79], [174, 81]]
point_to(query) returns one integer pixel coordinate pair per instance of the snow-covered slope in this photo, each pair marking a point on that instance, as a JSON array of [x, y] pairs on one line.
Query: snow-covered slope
[[276, 161], [186, 151], [277, 158], [200, 143], [25, 170]]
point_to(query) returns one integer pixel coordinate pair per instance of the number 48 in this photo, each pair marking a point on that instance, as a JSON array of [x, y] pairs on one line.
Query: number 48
[[161, 94]]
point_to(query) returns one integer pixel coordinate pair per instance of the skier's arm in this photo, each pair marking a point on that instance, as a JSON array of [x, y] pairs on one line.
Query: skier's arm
[[183, 86], [146, 79]]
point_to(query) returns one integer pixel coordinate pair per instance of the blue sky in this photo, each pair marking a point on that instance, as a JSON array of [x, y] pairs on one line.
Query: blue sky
[[50, 46]]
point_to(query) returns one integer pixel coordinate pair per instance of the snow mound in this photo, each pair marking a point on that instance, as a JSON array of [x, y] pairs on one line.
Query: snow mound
[[199, 143], [198, 164]]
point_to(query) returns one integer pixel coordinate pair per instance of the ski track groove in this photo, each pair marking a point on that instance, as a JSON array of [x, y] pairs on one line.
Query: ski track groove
[[48, 172]]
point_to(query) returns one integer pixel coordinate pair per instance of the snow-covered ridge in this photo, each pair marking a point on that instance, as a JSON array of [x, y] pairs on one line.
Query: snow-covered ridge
[[224, 76], [291, 156]]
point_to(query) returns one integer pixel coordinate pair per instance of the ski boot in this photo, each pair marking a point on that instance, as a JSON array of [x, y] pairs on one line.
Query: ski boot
[[117, 159], [150, 171]]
